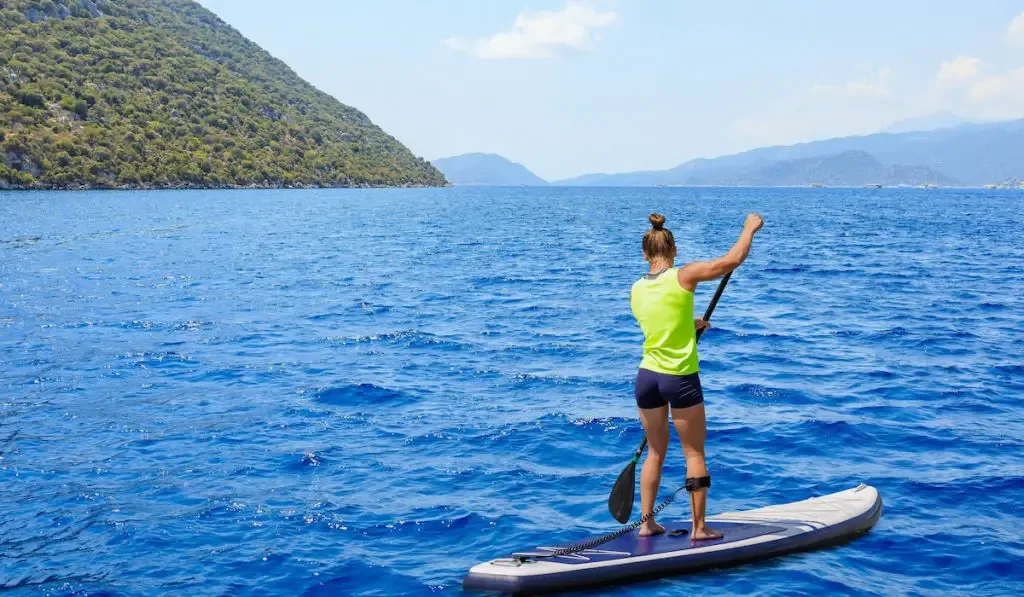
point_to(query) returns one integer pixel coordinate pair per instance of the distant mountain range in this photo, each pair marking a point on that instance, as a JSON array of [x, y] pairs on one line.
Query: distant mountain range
[[849, 168], [941, 149], [968, 154], [486, 169]]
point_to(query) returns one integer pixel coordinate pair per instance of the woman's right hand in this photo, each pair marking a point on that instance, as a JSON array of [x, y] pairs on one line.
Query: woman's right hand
[[754, 222]]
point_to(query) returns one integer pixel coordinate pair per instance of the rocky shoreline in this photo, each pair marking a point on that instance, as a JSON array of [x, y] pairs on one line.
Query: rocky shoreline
[[7, 186]]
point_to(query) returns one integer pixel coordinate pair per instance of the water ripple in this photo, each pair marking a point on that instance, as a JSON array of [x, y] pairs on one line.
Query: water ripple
[[293, 399]]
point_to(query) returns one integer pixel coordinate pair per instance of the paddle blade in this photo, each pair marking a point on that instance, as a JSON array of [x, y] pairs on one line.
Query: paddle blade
[[620, 502]]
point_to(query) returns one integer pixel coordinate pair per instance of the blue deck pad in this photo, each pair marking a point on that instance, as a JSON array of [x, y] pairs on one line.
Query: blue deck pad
[[633, 545]]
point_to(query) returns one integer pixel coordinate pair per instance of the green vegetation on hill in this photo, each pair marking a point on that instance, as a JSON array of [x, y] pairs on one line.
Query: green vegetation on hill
[[162, 93]]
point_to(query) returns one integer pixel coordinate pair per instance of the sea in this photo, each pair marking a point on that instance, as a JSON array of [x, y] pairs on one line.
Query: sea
[[366, 392]]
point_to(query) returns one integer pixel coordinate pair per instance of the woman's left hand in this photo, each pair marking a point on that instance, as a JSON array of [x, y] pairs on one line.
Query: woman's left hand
[[700, 324]]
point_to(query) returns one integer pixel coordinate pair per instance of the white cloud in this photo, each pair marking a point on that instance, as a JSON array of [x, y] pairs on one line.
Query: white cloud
[[957, 70], [1007, 85], [538, 34], [1015, 34], [962, 86], [870, 86]]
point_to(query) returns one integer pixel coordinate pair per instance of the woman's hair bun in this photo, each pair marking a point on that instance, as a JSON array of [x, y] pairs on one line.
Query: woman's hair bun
[[657, 221]]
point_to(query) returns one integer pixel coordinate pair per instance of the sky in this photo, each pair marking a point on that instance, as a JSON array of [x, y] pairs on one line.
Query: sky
[[568, 87]]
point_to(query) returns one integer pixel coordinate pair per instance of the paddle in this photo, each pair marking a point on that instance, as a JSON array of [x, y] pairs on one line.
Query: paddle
[[620, 502]]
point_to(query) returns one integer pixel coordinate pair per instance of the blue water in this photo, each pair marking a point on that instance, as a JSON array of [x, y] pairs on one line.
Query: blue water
[[367, 392]]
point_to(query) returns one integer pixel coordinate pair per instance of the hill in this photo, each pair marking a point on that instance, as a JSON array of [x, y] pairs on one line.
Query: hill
[[486, 169], [162, 93], [972, 154]]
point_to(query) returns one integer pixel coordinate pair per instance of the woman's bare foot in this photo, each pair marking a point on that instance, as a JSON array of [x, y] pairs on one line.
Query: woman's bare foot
[[651, 528], [704, 534]]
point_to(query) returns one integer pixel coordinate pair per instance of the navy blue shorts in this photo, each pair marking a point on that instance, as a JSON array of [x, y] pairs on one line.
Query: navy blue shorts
[[654, 390]]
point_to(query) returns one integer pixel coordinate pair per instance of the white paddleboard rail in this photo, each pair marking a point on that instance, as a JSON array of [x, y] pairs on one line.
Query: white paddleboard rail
[[751, 535]]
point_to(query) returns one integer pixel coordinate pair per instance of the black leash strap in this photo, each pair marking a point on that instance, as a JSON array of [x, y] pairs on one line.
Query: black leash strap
[[591, 544]]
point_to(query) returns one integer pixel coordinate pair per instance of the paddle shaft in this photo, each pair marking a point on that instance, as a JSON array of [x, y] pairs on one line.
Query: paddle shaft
[[707, 316]]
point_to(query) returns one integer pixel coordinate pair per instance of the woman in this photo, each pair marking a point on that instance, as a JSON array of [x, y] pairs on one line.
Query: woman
[[662, 302]]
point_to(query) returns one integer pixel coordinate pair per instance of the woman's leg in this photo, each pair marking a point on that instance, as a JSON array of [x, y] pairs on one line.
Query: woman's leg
[[655, 421], [691, 427]]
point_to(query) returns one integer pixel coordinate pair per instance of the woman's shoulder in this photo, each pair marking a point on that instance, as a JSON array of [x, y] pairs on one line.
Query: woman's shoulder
[[685, 284]]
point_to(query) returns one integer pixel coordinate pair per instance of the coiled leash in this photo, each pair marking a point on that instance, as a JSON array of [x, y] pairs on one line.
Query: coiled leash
[[591, 544], [564, 551], [692, 484]]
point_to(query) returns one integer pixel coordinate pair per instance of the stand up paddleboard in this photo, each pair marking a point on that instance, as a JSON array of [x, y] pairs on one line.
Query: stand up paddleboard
[[752, 535]]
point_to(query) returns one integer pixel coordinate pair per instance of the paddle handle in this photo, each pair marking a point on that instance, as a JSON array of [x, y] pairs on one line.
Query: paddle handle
[[714, 301], [707, 317]]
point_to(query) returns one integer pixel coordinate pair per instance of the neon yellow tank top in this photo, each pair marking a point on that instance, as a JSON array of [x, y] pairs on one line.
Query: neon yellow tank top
[[664, 310]]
